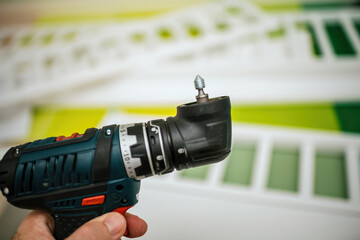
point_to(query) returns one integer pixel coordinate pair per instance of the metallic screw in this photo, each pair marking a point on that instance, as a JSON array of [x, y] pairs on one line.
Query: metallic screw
[[6, 190], [108, 132], [159, 157], [16, 152], [181, 150], [199, 83]]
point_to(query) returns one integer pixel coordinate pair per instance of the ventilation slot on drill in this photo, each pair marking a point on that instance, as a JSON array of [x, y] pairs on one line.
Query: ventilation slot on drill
[[50, 174], [26, 182], [62, 170], [62, 204]]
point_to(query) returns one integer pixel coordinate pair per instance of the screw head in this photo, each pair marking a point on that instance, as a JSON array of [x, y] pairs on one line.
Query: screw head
[[108, 132], [181, 150], [16, 152], [6, 191], [159, 157]]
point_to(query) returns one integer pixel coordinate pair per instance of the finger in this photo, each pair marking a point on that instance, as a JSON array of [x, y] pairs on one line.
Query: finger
[[36, 225], [135, 225], [109, 226]]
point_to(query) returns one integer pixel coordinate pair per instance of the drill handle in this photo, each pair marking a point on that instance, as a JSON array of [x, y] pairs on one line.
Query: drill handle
[[65, 225]]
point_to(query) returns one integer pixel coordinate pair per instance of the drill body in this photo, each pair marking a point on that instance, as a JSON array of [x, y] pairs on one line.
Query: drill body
[[80, 177], [75, 179]]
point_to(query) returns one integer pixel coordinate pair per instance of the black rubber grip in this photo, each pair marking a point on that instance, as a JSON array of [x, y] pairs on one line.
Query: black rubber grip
[[66, 225], [101, 164]]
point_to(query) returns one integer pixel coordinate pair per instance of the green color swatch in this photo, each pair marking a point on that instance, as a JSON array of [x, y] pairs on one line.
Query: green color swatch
[[284, 169], [240, 164], [194, 31], [165, 33], [199, 173], [279, 6], [339, 40], [53, 121], [301, 5], [315, 45], [348, 116], [357, 26], [279, 32], [327, 5], [330, 174], [315, 116]]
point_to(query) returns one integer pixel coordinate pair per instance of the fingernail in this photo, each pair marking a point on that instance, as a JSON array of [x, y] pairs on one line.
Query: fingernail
[[115, 223]]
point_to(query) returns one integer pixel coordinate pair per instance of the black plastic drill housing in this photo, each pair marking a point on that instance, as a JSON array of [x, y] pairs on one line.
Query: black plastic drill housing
[[200, 133]]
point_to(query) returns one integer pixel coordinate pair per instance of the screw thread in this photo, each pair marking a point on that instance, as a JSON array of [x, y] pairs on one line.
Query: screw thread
[[199, 82]]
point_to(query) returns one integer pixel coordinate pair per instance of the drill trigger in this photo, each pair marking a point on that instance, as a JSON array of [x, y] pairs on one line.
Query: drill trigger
[[122, 211]]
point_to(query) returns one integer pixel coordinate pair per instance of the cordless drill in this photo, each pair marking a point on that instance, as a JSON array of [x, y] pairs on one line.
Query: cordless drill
[[80, 177]]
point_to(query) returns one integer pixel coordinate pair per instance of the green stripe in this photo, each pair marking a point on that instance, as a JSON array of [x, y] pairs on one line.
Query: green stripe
[[302, 5], [327, 5], [96, 12], [315, 45], [86, 17], [348, 115], [340, 41], [314, 116], [279, 32], [281, 7], [357, 26], [53, 121]]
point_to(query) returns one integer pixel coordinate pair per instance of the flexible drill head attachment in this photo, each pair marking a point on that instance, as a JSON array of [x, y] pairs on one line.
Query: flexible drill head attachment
[[199, 134]]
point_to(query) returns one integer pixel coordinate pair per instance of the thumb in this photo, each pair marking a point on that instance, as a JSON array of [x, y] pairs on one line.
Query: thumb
[[107, 227]]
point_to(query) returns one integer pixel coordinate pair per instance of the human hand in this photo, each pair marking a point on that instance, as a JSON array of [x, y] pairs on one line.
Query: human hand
[[40, 226]]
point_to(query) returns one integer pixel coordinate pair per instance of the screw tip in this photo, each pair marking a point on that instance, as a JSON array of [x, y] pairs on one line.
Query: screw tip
[[199, 82]]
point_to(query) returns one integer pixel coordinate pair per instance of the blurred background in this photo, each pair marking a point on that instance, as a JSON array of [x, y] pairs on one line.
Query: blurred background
[[290, 67]]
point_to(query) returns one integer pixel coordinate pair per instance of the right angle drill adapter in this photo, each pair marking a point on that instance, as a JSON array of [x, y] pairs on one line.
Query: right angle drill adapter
[[200, 132]]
